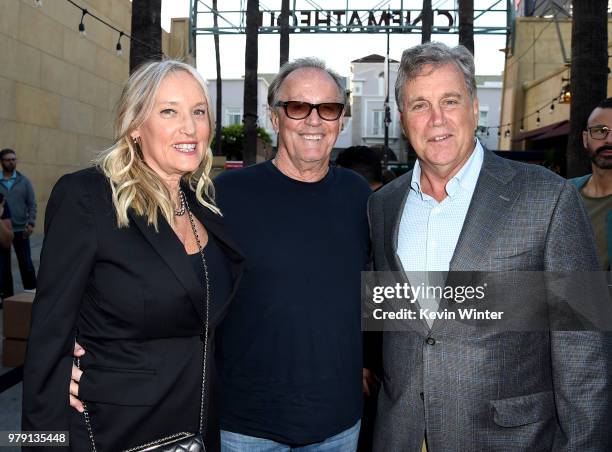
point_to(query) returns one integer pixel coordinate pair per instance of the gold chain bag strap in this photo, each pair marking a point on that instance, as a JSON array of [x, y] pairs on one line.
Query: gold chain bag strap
[[182, 441]]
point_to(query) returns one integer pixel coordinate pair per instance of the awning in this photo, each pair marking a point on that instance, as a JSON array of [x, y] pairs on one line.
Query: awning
[[551, 130]]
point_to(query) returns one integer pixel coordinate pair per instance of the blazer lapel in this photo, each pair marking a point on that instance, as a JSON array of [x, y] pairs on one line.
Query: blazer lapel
[[167, 245], [491, 202], [393, 210], [215, 227], [493, 196]]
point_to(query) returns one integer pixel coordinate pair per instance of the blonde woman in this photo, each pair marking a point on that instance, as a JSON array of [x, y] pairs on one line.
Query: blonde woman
[[137, 267]]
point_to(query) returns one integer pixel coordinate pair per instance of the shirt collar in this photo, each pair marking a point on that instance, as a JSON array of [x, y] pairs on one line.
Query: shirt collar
[[13, 176], [466, 178]]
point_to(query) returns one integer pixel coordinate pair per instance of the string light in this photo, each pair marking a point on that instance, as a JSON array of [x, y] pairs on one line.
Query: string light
[[38, 3], [521, 121], [507, 133], [82, 31], [118, 46], [82, 25], [566, 95], [552, 108]]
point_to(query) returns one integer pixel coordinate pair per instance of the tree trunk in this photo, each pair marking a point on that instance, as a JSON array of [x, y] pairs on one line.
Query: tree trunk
[[219, 109], [250, 83], [589, 75], [466, 24], [146, 42], [283, 21], [426, 22]]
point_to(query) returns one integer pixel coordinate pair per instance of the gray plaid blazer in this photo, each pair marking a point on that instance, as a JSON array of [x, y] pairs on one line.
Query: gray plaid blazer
[[477, 391]]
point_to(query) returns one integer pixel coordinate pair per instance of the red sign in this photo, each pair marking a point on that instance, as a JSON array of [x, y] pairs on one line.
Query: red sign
[[233, 164]]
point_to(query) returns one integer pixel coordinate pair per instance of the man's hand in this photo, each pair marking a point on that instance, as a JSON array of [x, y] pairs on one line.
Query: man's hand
[[370, 382], [74, 380], [28, 231]]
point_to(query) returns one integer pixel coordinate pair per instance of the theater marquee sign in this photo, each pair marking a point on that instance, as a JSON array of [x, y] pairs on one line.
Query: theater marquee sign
[[356, 20], [494, 19]]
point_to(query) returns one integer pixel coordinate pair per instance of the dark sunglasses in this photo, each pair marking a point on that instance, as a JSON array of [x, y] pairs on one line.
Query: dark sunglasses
[[328, 111]]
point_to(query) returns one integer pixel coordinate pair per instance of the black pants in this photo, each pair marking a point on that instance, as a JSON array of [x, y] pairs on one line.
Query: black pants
[[26, 267]]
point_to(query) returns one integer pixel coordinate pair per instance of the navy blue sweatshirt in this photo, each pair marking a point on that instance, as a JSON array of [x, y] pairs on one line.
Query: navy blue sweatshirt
[[289, 351]]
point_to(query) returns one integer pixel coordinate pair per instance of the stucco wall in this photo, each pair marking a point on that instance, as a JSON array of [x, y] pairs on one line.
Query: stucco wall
[[58, 88]]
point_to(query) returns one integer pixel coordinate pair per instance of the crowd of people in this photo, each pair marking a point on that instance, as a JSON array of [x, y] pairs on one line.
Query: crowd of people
[[173, 309]]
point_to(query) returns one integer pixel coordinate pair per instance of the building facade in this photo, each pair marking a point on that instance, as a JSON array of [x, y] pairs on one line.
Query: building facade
[[534, 114], [489, 88], [368, 90], [232, 98], [58, 88]]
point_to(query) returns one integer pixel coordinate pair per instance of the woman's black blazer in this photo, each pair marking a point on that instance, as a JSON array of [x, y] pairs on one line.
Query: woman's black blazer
[[133, 300]]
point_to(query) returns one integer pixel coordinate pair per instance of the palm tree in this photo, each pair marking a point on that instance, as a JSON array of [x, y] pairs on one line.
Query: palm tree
[[250, 83], [589, 75], [283, 21], [219, 112], [427, 21], [466, 24], [146, 42]]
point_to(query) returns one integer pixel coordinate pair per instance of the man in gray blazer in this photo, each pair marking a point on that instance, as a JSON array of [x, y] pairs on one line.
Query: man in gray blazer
[[464, 209]]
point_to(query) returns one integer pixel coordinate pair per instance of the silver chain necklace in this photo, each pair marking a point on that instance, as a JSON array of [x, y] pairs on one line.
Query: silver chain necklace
[[206, 306], [183, 204]]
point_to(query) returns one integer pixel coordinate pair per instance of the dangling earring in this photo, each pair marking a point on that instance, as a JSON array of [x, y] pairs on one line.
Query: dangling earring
[[136, 146]]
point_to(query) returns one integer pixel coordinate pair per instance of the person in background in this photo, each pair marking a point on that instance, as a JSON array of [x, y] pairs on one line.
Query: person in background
[[387, 176], [6, 232], [365, 161], [19, 195], [596, 188], [6, 227]]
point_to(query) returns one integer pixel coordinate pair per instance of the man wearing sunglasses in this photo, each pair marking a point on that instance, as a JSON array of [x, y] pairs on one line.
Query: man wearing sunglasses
[[596, 188], [289, 350]]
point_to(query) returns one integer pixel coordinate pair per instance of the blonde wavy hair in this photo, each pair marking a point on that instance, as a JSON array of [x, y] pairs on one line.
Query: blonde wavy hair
[[133, 184]]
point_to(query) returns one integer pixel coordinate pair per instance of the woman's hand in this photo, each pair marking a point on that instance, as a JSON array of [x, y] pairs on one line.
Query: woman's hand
[[74, 380]]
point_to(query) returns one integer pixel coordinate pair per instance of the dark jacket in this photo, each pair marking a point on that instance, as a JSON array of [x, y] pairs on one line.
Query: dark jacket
[[488, 387], [131, 297], [22, 202]]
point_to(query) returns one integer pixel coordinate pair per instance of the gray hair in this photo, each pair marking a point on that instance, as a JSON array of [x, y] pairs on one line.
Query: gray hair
[[434, 54], [302, 63]]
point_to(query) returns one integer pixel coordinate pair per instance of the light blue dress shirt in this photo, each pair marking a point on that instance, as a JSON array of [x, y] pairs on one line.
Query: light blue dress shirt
[[429, 230], [8, 183]]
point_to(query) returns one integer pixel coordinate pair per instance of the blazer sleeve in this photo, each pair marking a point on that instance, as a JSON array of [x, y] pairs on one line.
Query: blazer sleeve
[[67, 261], [581, 360]]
